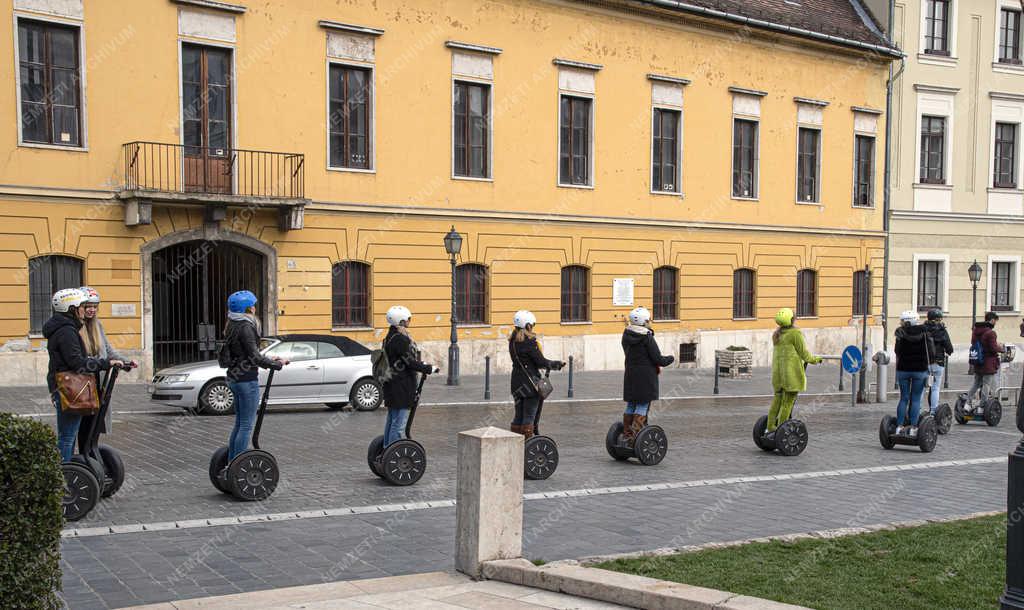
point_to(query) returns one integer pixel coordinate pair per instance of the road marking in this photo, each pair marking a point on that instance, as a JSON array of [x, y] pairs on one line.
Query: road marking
[[544, 495]]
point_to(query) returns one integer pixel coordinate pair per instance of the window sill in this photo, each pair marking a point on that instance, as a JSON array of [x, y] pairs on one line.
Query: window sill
[[750, 199], [667, 321], [1007, 68], [351, 329], [816, 204], [744, 319], [1005, 189], [800, 317], [587, 323], [936, 59], [36, 336], [576, 186], [352, 170], [932, 187], [472, 178], [862, 207], [678, 194], [80, 149], [480, 325]]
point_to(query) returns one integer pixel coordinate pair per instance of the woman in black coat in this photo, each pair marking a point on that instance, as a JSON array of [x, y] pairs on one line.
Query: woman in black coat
[[643, 364], [527, 361], [399, 392]]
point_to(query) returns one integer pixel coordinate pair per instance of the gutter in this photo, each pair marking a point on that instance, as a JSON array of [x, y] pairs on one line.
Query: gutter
[[887, 190]]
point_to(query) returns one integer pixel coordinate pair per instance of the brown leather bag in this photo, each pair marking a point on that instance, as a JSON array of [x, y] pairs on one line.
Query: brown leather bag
[[78, 393]]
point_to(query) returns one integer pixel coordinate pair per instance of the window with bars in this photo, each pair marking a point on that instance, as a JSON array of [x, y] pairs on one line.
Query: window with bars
[[933, 150], [1005, 164], [666, 295], [743, 293], [471, 294], [936, 27], [1009, 36], [861, 293], [806, 293], [50, 83], [665, 151], [471, 136], [575, 294], [1002, 286], [929, 285], [47, 275], [744, 158], [687, 353], [864, 171], [349, 125], [350, 289], [574, 141], [807, 164]]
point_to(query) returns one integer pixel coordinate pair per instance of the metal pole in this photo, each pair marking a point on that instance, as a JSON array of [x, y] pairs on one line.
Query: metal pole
[[945, 373], [840, 376], [453, 349], [974, 306], [487, 377], [853, 390], [715, 391], [570, 376], [1013, 595], [862, 391]]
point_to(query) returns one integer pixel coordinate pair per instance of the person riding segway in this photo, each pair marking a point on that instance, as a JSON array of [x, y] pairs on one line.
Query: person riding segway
[[942, 413], [986, 355], [914, 351]]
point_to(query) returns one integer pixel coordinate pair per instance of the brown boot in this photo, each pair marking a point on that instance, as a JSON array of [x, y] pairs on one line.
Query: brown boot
[[639, 421], [627, 426], [528, 430], [516, 428]]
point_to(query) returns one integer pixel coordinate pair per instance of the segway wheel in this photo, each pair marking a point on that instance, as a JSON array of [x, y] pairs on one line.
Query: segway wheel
[[372, 453], [943, 418], [927, 434], [651, 445], [81, 491], [791, 438], [760, 426], [993, 412], [541, 458], [218, 462], [404, 462], [885, 431], [611, 442], [958, 410], [253, 475], [114, 467]]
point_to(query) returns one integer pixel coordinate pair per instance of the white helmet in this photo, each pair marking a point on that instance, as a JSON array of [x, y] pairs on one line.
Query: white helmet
[[909, 317], [63, 300], [398, 314], [639, 316], [524, 318], [91, 296]]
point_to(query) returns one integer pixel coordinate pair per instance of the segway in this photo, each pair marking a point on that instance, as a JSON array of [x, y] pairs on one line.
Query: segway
[[253, 475], [790, 438], [989, 411], [927, 433], [96, 471], [541, 452], [404, 461], [649, 445]]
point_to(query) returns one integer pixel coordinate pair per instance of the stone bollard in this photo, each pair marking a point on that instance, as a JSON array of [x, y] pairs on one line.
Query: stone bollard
[[489, 498]]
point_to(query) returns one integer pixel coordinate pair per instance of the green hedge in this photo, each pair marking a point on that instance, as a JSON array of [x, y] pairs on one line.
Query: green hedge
[[31, 490]]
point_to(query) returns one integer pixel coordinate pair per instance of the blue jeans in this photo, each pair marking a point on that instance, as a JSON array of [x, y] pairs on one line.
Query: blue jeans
[[247, 398], [394, 427], [911, 389], [637, 408], [67, 429], [936, 371]]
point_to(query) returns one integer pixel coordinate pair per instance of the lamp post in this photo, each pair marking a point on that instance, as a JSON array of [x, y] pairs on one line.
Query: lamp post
[[974, 272], [452, 245], [1013, 595]]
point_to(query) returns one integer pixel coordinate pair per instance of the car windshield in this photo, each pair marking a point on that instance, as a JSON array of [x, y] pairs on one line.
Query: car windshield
[[265, 343]]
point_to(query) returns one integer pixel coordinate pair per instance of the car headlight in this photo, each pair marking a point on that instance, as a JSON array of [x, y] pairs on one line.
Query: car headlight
[[174, 378]]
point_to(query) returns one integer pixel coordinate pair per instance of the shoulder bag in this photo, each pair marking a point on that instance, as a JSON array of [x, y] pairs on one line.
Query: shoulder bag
[[78, 393], [541, 385]]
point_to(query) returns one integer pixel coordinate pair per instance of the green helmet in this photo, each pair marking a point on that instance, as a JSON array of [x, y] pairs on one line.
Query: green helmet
[[784, 317]]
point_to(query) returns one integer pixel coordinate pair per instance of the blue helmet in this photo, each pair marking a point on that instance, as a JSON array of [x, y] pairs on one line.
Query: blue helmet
[[239, 301]]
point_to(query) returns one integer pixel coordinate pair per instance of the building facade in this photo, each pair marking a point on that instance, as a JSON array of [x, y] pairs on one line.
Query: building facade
[[594, 156], [957, 195]]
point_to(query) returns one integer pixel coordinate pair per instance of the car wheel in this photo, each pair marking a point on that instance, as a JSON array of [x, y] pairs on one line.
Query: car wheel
[[216, 398], [366, 395]]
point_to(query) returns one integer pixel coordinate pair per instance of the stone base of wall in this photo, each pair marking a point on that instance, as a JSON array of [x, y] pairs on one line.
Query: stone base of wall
[[29, 368]]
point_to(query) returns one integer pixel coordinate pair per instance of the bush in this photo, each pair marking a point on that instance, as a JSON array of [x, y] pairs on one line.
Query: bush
[[31, 490], [737, 348]]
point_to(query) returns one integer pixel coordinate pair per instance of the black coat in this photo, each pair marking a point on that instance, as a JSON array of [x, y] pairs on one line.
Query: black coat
[[643, 359], [66, 350], [400, 391], [527, 361], [941, 340], [914, 348], [243, 345]]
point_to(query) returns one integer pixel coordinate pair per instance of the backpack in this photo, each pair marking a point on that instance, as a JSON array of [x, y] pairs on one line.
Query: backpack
[[224, 359], [381, 366], [977, 354]]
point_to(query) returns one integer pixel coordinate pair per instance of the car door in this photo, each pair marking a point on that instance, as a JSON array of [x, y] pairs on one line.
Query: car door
[[300, 380], [337, 373]]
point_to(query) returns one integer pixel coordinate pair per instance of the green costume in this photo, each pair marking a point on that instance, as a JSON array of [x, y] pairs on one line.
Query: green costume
[[788, 377]]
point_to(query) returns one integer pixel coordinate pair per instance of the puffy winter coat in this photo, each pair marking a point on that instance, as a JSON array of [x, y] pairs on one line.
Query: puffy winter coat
[[67, 353], [788, 360], [914, 349], [400, 391], [643, 359], [940, 338], [985, 332], [527, 362]]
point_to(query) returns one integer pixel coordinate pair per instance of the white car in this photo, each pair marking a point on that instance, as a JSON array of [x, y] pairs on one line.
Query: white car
[[328, 369]]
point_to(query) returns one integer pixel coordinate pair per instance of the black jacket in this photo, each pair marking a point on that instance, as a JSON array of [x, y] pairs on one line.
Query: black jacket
[[400, 391], [940, 338], [243, 344], [527, 361], [914, 348], [67, 352], [643, 359]]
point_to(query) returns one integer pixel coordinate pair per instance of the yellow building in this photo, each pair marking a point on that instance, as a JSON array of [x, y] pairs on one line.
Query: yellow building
[[593, 155]]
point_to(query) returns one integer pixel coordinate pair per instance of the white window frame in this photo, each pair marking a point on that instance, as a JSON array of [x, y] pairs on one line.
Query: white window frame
[[925, 57], [590, 139], [939, 258], [1014, 281], [1006, 110], [457, 78], [371, 121], [1000, 5], [938, 105], [679, 151], [80, 25]]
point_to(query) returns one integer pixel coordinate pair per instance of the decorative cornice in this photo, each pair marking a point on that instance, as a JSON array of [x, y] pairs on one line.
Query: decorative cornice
[[669, 79], [865, 110], [809, 101], [957, 217], [353, 29], [476, 48], [936, 89], [1010, 97], [742, 91], [215, 5], [579, 65]]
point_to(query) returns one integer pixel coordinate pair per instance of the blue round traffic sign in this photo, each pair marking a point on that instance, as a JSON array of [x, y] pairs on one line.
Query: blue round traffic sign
[[853, 359]]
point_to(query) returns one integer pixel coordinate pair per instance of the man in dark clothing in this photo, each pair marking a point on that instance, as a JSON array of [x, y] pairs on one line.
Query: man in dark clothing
[[985, 373], [943, 349]]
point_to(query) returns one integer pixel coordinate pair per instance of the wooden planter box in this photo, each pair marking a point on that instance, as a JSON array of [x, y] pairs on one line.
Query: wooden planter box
[[734, 364]]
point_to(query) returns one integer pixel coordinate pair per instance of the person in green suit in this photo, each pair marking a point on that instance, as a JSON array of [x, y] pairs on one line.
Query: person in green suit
[[788, 362]]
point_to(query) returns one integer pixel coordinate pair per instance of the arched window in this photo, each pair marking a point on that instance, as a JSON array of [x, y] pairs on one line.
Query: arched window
[[350, 290], [806, 293], [47, 275], [666, 293], [471, 294], [575, 294], [744, 282]]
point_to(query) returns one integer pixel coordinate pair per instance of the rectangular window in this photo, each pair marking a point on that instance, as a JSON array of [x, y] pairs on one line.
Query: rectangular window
[[51, 93], [47, 275], [936, 27], [471, 129], [1009, 36], [861, 293], [471, 294], [1002, 286], [1005, 156], [743, 294], [666, 294], [929, 285], [807, 164], [687, 353], [349, 125], [744, 158], [574, 141], [806, 293], [864, 171], [575, 294], [665, 151], [350, 287], [933, 150]]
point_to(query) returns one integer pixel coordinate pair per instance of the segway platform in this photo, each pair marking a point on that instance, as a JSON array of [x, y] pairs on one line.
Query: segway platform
[[991, 411], [789, 439], [253, 475], [927, 434], [649, 446], [404, 461], [540, 451]]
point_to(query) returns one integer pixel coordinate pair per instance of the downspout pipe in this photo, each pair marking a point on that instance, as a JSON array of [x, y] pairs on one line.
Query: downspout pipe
[[887, 173]]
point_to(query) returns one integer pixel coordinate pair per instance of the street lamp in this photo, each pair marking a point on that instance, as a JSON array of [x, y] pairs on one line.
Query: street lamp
[[974, 272], [1013, 595], [452, 245]]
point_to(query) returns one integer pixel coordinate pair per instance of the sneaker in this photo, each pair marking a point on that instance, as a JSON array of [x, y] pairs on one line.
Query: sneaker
[[899, 430], [913, 431]]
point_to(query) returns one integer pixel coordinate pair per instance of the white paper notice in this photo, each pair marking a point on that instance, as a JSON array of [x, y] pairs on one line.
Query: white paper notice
[[622, 291]]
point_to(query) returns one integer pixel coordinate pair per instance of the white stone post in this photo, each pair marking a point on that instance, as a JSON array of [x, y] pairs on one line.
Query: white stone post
[[489, 496]]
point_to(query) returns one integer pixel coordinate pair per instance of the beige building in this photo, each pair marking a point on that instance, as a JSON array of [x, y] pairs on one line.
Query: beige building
[[957, 194]]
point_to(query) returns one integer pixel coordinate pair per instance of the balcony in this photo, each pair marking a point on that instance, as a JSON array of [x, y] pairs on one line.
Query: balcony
[[215, 178]]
